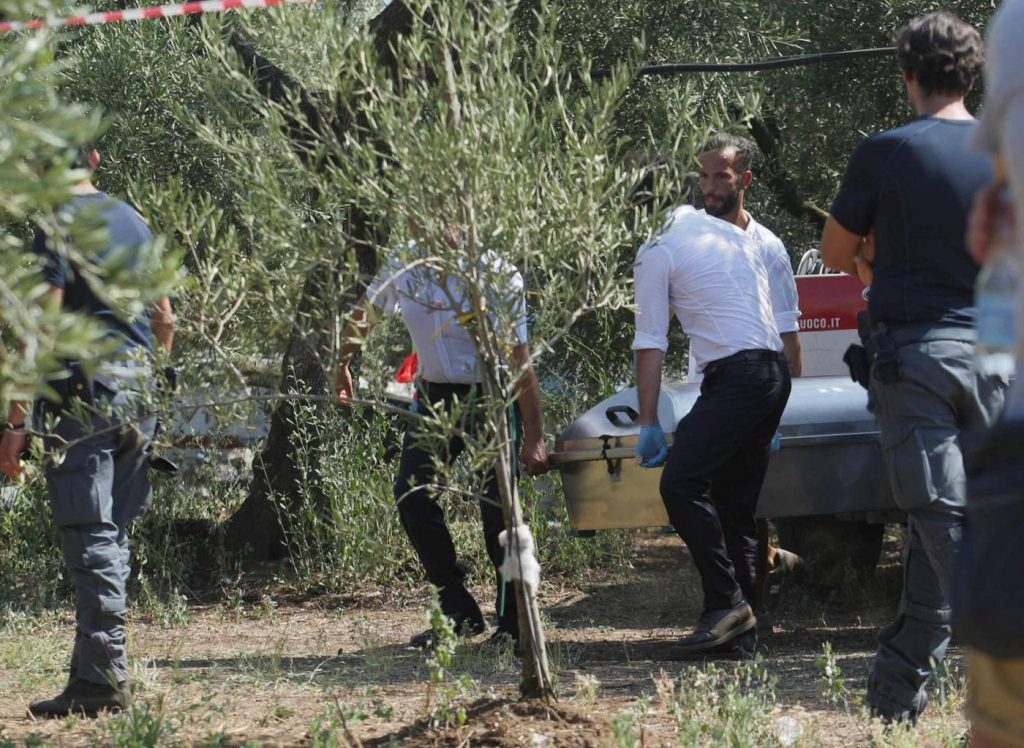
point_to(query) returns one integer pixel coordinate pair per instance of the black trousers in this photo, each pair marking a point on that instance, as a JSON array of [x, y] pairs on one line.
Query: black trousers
[[716, 466], [423, 518]]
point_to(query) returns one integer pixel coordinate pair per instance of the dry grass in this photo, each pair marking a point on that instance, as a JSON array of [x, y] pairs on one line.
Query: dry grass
[[322, 671]]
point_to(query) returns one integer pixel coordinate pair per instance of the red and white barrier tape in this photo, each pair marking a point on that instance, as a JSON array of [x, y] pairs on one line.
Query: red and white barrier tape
[[140, 14]]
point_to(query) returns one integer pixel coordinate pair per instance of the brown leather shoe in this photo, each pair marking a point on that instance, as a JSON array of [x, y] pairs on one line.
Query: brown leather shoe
[[82, 697], [717, 627], [787, 563]]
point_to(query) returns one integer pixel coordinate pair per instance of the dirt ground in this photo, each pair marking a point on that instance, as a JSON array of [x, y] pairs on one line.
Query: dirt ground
[[328, 669]]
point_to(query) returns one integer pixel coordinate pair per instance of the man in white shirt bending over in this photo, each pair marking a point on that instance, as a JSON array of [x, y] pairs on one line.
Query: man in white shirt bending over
[[433, 307], [710, 274]]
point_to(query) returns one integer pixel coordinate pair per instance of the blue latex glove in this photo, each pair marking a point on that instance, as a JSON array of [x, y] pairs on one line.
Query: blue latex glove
[[777, 442], [652, 448]]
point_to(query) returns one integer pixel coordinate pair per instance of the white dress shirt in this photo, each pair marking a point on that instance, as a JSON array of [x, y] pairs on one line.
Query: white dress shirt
[[431, 309], [711, 274], [781, 284]]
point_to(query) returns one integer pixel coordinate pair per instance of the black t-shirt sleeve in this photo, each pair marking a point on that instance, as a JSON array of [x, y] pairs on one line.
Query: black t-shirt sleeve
[[52, 265], [855, 205]]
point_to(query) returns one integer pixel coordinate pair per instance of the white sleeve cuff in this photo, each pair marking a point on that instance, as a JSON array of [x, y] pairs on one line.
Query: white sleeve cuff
[[643, 341], [787, 321]]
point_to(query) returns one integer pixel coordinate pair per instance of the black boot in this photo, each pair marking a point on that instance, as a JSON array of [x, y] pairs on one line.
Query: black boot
[[84, 698]]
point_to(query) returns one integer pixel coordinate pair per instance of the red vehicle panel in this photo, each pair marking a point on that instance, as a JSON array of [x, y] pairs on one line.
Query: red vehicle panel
[[829, 302]]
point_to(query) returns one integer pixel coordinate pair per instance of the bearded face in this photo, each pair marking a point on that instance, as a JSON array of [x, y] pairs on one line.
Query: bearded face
[[721, 185], [719, 205]]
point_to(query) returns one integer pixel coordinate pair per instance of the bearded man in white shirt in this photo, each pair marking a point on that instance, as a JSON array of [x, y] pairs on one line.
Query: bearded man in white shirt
[[726, 171], [710, 274]]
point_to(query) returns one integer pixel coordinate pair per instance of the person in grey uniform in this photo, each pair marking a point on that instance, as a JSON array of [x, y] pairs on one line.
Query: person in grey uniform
[[96, 467], [911, 189]]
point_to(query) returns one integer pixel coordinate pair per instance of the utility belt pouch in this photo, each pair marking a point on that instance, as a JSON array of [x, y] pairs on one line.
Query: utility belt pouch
[[857, 361]]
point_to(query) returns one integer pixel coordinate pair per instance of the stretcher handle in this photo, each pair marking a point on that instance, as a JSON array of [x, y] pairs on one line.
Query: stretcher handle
[[590, 455], [614, 411]]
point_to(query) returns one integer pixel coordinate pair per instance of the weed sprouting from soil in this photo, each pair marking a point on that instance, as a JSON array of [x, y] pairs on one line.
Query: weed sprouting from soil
[[588, 687], [950, 687], [626, 729], [333, 727], [833, 688], [170, 610], [445, 689], [718, 706], [330, 729], [144, 724]]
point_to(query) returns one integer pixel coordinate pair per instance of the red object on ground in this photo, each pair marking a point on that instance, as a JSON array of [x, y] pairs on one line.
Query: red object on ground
[[407, 371]]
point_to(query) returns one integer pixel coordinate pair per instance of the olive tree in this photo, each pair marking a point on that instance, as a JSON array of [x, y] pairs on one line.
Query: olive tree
[[240, 138]]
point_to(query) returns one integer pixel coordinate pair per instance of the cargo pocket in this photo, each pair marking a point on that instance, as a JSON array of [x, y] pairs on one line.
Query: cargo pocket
[[923, 465], [905, 466], [77, 491]]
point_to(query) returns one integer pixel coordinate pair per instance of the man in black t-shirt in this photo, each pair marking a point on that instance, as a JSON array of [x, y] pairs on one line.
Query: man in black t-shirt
[[899, 222], [100, 482]]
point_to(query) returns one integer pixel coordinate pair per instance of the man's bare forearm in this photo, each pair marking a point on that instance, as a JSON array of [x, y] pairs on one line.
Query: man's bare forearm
[[839, 247], [530, 406], [648, 383], [161, 322], [357, 329], [527, 391], [17, 414]]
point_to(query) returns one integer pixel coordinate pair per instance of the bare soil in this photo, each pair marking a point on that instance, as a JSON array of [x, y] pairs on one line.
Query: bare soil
[[292, 673]]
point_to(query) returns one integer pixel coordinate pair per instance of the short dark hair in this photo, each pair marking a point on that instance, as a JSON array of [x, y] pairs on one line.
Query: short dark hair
[[83, 156], [744, 149], [941, 52]]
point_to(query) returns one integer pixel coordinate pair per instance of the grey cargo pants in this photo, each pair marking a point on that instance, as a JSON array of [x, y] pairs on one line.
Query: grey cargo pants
[[100, 485], [921, 417]]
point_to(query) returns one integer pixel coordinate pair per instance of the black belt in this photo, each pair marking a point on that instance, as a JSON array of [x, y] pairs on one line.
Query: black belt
[[434, 391], [744, 356], [446, 386]]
